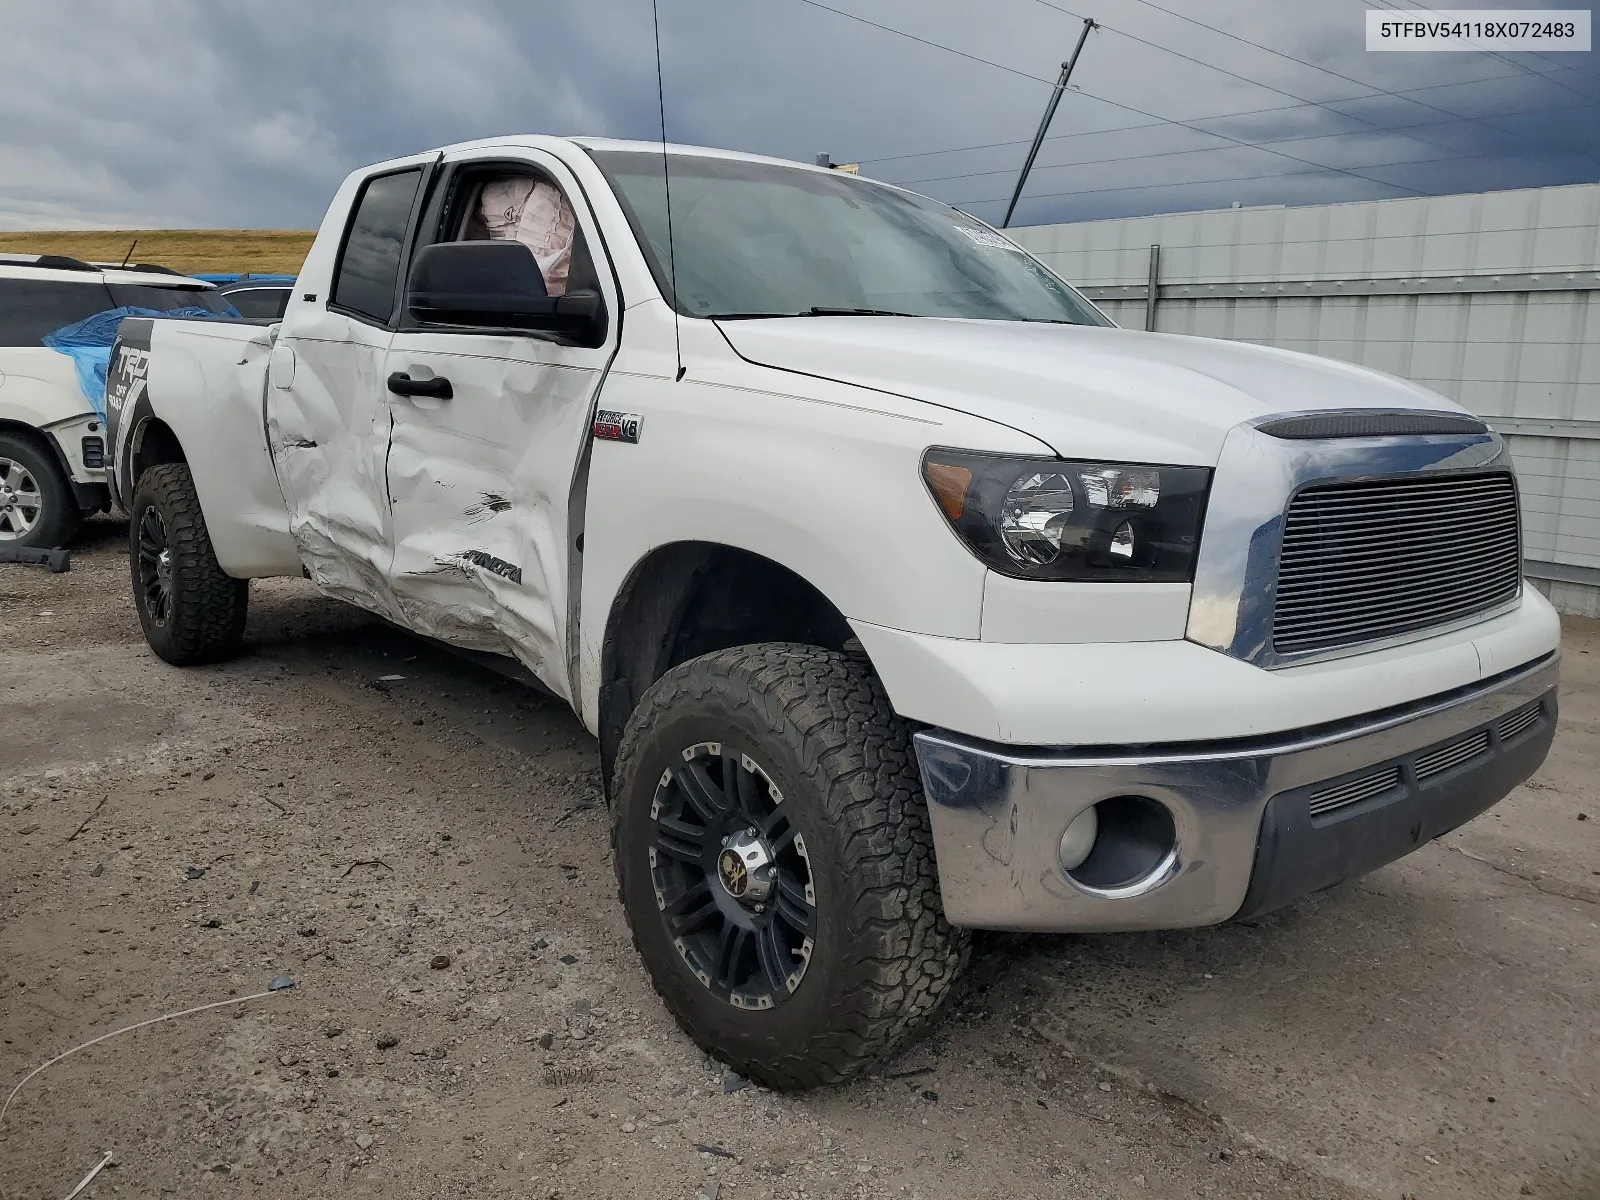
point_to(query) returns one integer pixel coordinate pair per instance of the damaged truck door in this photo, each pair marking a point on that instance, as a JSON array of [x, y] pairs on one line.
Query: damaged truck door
[[327, 413], [489, 387]]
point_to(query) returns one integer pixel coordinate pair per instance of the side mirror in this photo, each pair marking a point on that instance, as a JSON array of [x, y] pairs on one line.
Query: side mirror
[[498, 285]]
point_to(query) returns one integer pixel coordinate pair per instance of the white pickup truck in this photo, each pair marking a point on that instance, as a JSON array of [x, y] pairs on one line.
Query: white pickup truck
[[904, 593]]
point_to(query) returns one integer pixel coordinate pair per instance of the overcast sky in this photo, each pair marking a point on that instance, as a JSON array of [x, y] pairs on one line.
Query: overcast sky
[[188, 113]]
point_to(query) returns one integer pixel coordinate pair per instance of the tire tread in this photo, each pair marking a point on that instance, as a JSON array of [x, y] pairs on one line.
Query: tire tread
[[209, 606], [858, 761]]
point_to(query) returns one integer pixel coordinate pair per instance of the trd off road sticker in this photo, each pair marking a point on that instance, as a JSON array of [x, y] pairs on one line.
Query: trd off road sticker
[[616, 426], [126, 375]]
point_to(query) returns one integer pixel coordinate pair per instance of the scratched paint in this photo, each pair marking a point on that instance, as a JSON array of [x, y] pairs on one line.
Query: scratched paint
[[489, 574], [329, 433], [491, 504]]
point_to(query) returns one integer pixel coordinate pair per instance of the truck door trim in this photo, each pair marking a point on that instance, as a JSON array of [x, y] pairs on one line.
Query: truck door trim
[[425, 223], [426, 173]]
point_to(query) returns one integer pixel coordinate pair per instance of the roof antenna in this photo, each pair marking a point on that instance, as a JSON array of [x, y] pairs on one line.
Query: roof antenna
[[129, 254], [666, 183]]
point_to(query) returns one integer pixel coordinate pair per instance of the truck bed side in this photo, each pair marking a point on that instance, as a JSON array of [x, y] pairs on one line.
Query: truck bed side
[[193, 390]]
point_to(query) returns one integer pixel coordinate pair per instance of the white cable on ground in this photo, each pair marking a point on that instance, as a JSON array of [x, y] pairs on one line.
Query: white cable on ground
[[6, 1107], [115, 1033], [89, 1178]]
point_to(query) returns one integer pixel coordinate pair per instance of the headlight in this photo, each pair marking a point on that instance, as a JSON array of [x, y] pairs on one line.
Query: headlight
[[1051, 518]]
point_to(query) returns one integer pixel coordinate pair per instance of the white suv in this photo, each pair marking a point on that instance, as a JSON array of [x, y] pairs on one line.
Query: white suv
[[52, 436]]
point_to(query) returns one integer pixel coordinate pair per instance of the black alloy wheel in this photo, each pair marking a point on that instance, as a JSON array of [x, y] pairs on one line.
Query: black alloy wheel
[[155, 567], [731, 877], [774, 856], [191, 610]]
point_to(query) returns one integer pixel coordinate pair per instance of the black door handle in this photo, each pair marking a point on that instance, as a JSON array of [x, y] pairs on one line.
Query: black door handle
[[438, 387]]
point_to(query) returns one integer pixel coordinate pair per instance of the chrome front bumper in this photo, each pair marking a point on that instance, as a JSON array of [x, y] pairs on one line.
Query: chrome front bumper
[[1245, 837]]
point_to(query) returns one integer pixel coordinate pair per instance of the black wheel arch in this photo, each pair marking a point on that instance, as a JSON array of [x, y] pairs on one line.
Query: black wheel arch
[[690, 598], [151, 442]]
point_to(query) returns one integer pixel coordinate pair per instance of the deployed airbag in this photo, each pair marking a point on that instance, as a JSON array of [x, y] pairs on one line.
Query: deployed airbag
[[536, 214]]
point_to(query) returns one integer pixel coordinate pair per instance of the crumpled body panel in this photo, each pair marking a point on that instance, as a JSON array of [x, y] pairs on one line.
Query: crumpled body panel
[[205, 381], [328, 429], [479, 487]]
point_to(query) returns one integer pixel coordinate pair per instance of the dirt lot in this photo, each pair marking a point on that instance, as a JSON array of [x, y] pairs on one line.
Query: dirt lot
[[426, 856], [264, 251]]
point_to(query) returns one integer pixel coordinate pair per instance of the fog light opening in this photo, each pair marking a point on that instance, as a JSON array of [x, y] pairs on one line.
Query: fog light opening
[[1130, 839], [1078, 841]]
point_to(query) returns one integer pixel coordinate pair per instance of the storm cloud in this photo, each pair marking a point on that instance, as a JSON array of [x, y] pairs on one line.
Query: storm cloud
[[192, 113]]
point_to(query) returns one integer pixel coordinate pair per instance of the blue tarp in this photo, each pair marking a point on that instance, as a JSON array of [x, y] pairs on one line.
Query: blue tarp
[[88, 344], [247, 277]]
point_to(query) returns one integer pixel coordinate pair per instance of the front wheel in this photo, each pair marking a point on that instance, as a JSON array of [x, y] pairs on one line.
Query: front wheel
[[776, 863], [192, 611]]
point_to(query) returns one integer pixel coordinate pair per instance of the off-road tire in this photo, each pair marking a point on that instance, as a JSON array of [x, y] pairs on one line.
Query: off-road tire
[[208, 606], [59, 517], [884, 955]]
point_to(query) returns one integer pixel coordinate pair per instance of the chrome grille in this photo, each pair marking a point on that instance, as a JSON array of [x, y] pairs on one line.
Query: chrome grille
[[1453, 755], [1374, 559], [1341, 795], [1518, 721]]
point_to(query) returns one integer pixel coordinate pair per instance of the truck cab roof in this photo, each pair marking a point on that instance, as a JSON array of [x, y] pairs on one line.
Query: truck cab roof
[[547, 142]]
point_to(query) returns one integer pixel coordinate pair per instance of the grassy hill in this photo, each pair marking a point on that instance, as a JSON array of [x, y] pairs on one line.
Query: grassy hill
[[264, 251]]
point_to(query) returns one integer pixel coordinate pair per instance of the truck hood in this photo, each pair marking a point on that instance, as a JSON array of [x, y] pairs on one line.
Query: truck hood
[[1085, 392]]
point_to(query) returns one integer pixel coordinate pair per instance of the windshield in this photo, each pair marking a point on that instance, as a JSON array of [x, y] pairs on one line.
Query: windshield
[[760, 239], [165, 299]]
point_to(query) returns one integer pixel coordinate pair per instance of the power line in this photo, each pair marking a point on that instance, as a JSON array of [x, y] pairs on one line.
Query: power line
[[1505, 58], [1297, 137], [935, 45], [1320, 104], [1241, 142], [1372, 87], [1105, 100], [1252, 112], [1137, 187]]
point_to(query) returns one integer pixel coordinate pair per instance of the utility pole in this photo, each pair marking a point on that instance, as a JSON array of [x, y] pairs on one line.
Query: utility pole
[[1049, 114]]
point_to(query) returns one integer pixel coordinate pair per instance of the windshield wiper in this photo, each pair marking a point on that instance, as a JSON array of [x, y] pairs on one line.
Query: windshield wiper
[[817, 311], [814, 311]]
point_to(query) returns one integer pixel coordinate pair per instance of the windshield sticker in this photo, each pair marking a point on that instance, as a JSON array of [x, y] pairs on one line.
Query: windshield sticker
[[988, 238]]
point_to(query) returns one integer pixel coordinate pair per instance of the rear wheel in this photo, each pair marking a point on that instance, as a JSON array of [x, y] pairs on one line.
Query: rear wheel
[[37, 507], [776, 862], [192, 610]]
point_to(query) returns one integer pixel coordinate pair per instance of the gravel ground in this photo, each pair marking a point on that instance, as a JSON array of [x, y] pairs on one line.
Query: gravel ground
[[421, 846]]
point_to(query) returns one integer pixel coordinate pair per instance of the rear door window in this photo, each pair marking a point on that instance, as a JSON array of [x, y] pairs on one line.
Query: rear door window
[[259, 302], [31, 308], [369, 264]]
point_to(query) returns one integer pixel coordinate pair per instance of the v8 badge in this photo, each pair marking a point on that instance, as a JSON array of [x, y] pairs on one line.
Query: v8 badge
[[616, 426]]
